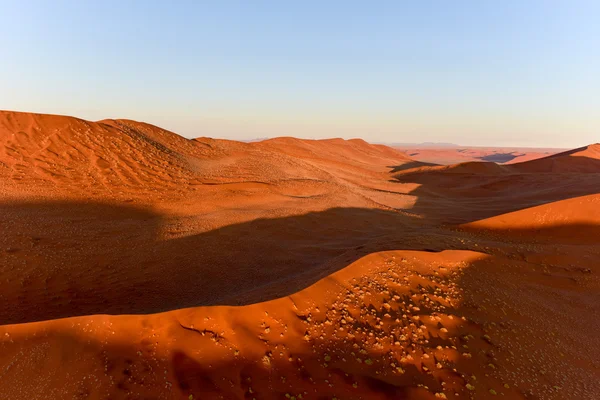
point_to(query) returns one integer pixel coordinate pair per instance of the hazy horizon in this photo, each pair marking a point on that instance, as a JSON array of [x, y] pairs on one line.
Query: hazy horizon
[[511, 74]]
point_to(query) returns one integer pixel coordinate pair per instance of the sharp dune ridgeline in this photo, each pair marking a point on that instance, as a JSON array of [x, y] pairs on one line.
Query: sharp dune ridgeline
[[139, 264]]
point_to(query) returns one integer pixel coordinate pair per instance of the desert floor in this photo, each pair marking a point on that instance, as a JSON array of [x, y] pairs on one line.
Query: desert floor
[[447, 155]]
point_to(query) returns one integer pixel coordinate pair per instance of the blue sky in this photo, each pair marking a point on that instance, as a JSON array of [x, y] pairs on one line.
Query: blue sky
[[523, 73]]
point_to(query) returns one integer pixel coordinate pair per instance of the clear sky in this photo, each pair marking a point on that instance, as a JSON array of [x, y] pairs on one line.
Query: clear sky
[[479, 72]]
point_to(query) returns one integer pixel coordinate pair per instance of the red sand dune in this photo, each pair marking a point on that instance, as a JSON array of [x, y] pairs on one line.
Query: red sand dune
[[289, 269], [575, 221], [584, 159], [475, 190]]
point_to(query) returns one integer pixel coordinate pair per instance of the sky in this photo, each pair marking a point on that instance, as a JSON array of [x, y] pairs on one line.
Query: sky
[[491, 73]]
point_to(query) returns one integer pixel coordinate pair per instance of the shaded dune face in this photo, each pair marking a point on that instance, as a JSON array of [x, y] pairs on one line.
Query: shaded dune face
[[140, 264]]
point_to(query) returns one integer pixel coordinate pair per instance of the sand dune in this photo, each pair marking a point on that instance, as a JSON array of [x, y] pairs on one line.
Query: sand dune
[[140, 264], [122, 157], [581, 160], [575, 220], [584, 159], [483, 190], [68, 154]]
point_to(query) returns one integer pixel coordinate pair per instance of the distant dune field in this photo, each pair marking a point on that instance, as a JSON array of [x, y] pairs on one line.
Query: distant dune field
[[456, 154]]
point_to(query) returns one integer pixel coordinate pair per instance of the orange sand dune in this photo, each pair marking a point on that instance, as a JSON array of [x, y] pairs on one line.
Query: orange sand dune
[[392, 325], [481, 190], [121, 158], [139, 264], [576, 220], [584, 159]]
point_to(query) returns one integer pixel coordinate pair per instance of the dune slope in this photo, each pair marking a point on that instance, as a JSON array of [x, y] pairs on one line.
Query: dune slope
[[479, 190], [583, 159], [392, 325]]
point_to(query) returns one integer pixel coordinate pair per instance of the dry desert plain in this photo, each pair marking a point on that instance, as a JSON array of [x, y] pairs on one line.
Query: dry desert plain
[[454, 154], [138, 264]]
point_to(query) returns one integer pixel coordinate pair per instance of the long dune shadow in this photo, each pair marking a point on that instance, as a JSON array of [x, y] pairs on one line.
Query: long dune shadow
[[63, 259], [500, 157], [410, 165], [132, 369]]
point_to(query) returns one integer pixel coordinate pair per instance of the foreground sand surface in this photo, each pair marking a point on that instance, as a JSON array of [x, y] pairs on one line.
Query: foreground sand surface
[[139, 264]]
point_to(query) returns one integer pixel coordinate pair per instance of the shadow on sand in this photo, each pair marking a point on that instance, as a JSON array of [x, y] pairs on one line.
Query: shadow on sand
[[68, 259], [515, 283]]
